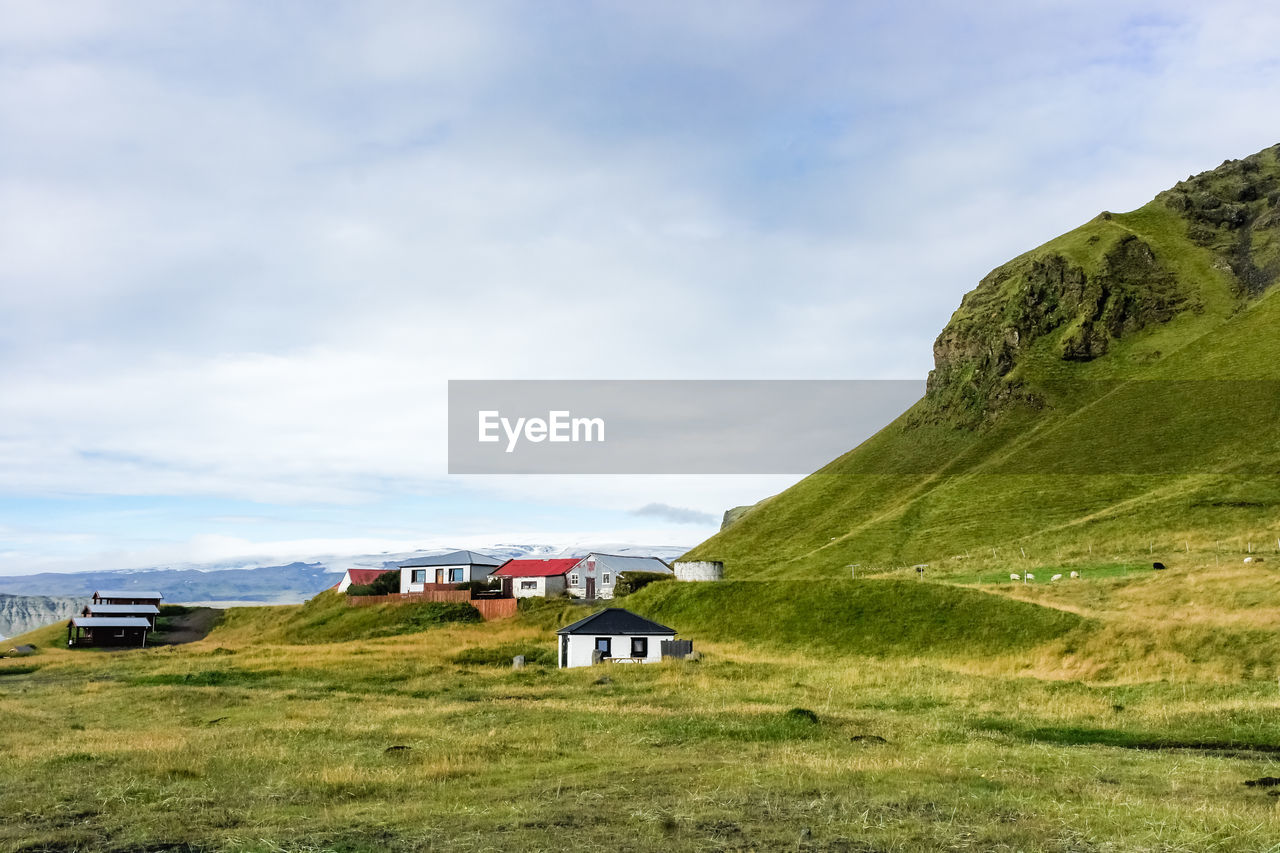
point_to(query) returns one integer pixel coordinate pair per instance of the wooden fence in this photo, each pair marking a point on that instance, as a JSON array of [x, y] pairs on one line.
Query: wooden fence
[[676, 648], [495, 608], [490, 608]]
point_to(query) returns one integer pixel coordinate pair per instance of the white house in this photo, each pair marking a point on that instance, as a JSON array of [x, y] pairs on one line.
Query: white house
[[595, 575], [451, 568], [532, 578], [619, 635]]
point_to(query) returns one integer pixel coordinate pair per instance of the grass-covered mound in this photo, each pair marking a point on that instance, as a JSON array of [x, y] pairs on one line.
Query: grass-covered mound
[[872, 618], [328, 618]]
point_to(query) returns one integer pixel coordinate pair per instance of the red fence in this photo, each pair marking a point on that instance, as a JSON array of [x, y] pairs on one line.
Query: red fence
[[490, 608]]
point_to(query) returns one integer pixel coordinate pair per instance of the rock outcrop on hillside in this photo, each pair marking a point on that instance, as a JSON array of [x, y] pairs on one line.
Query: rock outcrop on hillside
[[1089, 289]]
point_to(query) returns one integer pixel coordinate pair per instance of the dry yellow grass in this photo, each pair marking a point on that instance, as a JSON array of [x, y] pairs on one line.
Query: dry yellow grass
[[234, 745]]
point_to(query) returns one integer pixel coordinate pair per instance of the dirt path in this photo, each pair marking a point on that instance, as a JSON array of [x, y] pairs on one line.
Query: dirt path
[[188, 627]]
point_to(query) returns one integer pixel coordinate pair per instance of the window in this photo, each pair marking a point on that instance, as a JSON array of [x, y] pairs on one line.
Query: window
[[419, 575], [604, 579], [573, 580], [455, 576], [528, 584], [639, 647], [603, 646]]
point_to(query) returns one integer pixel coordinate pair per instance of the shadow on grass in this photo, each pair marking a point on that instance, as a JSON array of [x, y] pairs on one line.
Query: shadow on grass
[[1118, 738]]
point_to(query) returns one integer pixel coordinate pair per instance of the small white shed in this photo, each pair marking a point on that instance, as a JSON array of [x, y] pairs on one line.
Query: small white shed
[[619, 635]]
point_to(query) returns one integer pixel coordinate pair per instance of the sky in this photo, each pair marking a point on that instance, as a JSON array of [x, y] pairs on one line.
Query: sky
[[244, 246]]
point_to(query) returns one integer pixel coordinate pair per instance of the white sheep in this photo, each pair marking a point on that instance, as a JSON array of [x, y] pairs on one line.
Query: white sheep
[[1248, 559], [1028, 577], [1015, 577], [1055, 578], [1075, 574]]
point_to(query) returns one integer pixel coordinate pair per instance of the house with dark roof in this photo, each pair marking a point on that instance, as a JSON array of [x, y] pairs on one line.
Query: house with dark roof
[[617, 635], [451, 568], [595, 575], [532, 578]]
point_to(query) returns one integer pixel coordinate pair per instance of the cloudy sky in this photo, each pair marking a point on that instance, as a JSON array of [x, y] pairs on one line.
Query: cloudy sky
[[243, 246]]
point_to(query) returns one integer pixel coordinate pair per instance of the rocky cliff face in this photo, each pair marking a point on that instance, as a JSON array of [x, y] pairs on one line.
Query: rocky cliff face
[[1235, 211], [1075, 297], [22, 613]]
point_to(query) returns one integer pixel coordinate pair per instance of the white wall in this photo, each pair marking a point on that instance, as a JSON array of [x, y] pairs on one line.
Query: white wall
[[582, 645], [699, 570], [583, 571], [542, 587], [539, 587], [406, 575]]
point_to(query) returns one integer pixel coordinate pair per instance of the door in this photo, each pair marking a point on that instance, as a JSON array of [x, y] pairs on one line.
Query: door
[[591, 588], [564, 650], [439, 575]]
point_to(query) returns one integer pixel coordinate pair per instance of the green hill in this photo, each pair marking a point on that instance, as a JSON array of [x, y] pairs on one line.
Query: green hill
[[872, 618], [1105, 398]]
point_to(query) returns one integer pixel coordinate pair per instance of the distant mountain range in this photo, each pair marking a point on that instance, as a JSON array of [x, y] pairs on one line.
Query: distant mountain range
[[288, 583]]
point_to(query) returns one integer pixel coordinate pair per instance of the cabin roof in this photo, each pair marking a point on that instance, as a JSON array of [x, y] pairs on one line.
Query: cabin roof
[[110, 622], [615, 620], [122, 609], [453, 558], [545, 568], [619, 563], [128, 593]]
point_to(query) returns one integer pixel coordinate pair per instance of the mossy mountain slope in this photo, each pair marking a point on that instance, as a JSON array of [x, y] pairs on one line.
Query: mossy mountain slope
[[1108, 392]]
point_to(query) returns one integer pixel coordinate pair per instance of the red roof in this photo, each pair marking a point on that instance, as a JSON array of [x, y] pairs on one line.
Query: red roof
[[536, 568], [366, 576]]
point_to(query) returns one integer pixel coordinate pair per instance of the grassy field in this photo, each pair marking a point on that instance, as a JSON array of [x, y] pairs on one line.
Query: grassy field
[[251, 740]]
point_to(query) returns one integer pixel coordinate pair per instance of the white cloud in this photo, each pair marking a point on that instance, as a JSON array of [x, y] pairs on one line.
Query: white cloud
[[242, 248]]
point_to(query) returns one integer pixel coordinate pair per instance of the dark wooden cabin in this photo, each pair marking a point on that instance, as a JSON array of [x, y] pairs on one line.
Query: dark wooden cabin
[[108, 631]]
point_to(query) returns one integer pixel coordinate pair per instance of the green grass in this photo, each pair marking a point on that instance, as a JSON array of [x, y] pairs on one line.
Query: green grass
[[837, 743], [328, 618], [873, 618], [504, 653]]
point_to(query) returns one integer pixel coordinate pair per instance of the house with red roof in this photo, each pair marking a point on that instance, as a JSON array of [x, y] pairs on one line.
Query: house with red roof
[[533, 578], [359, 577]]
